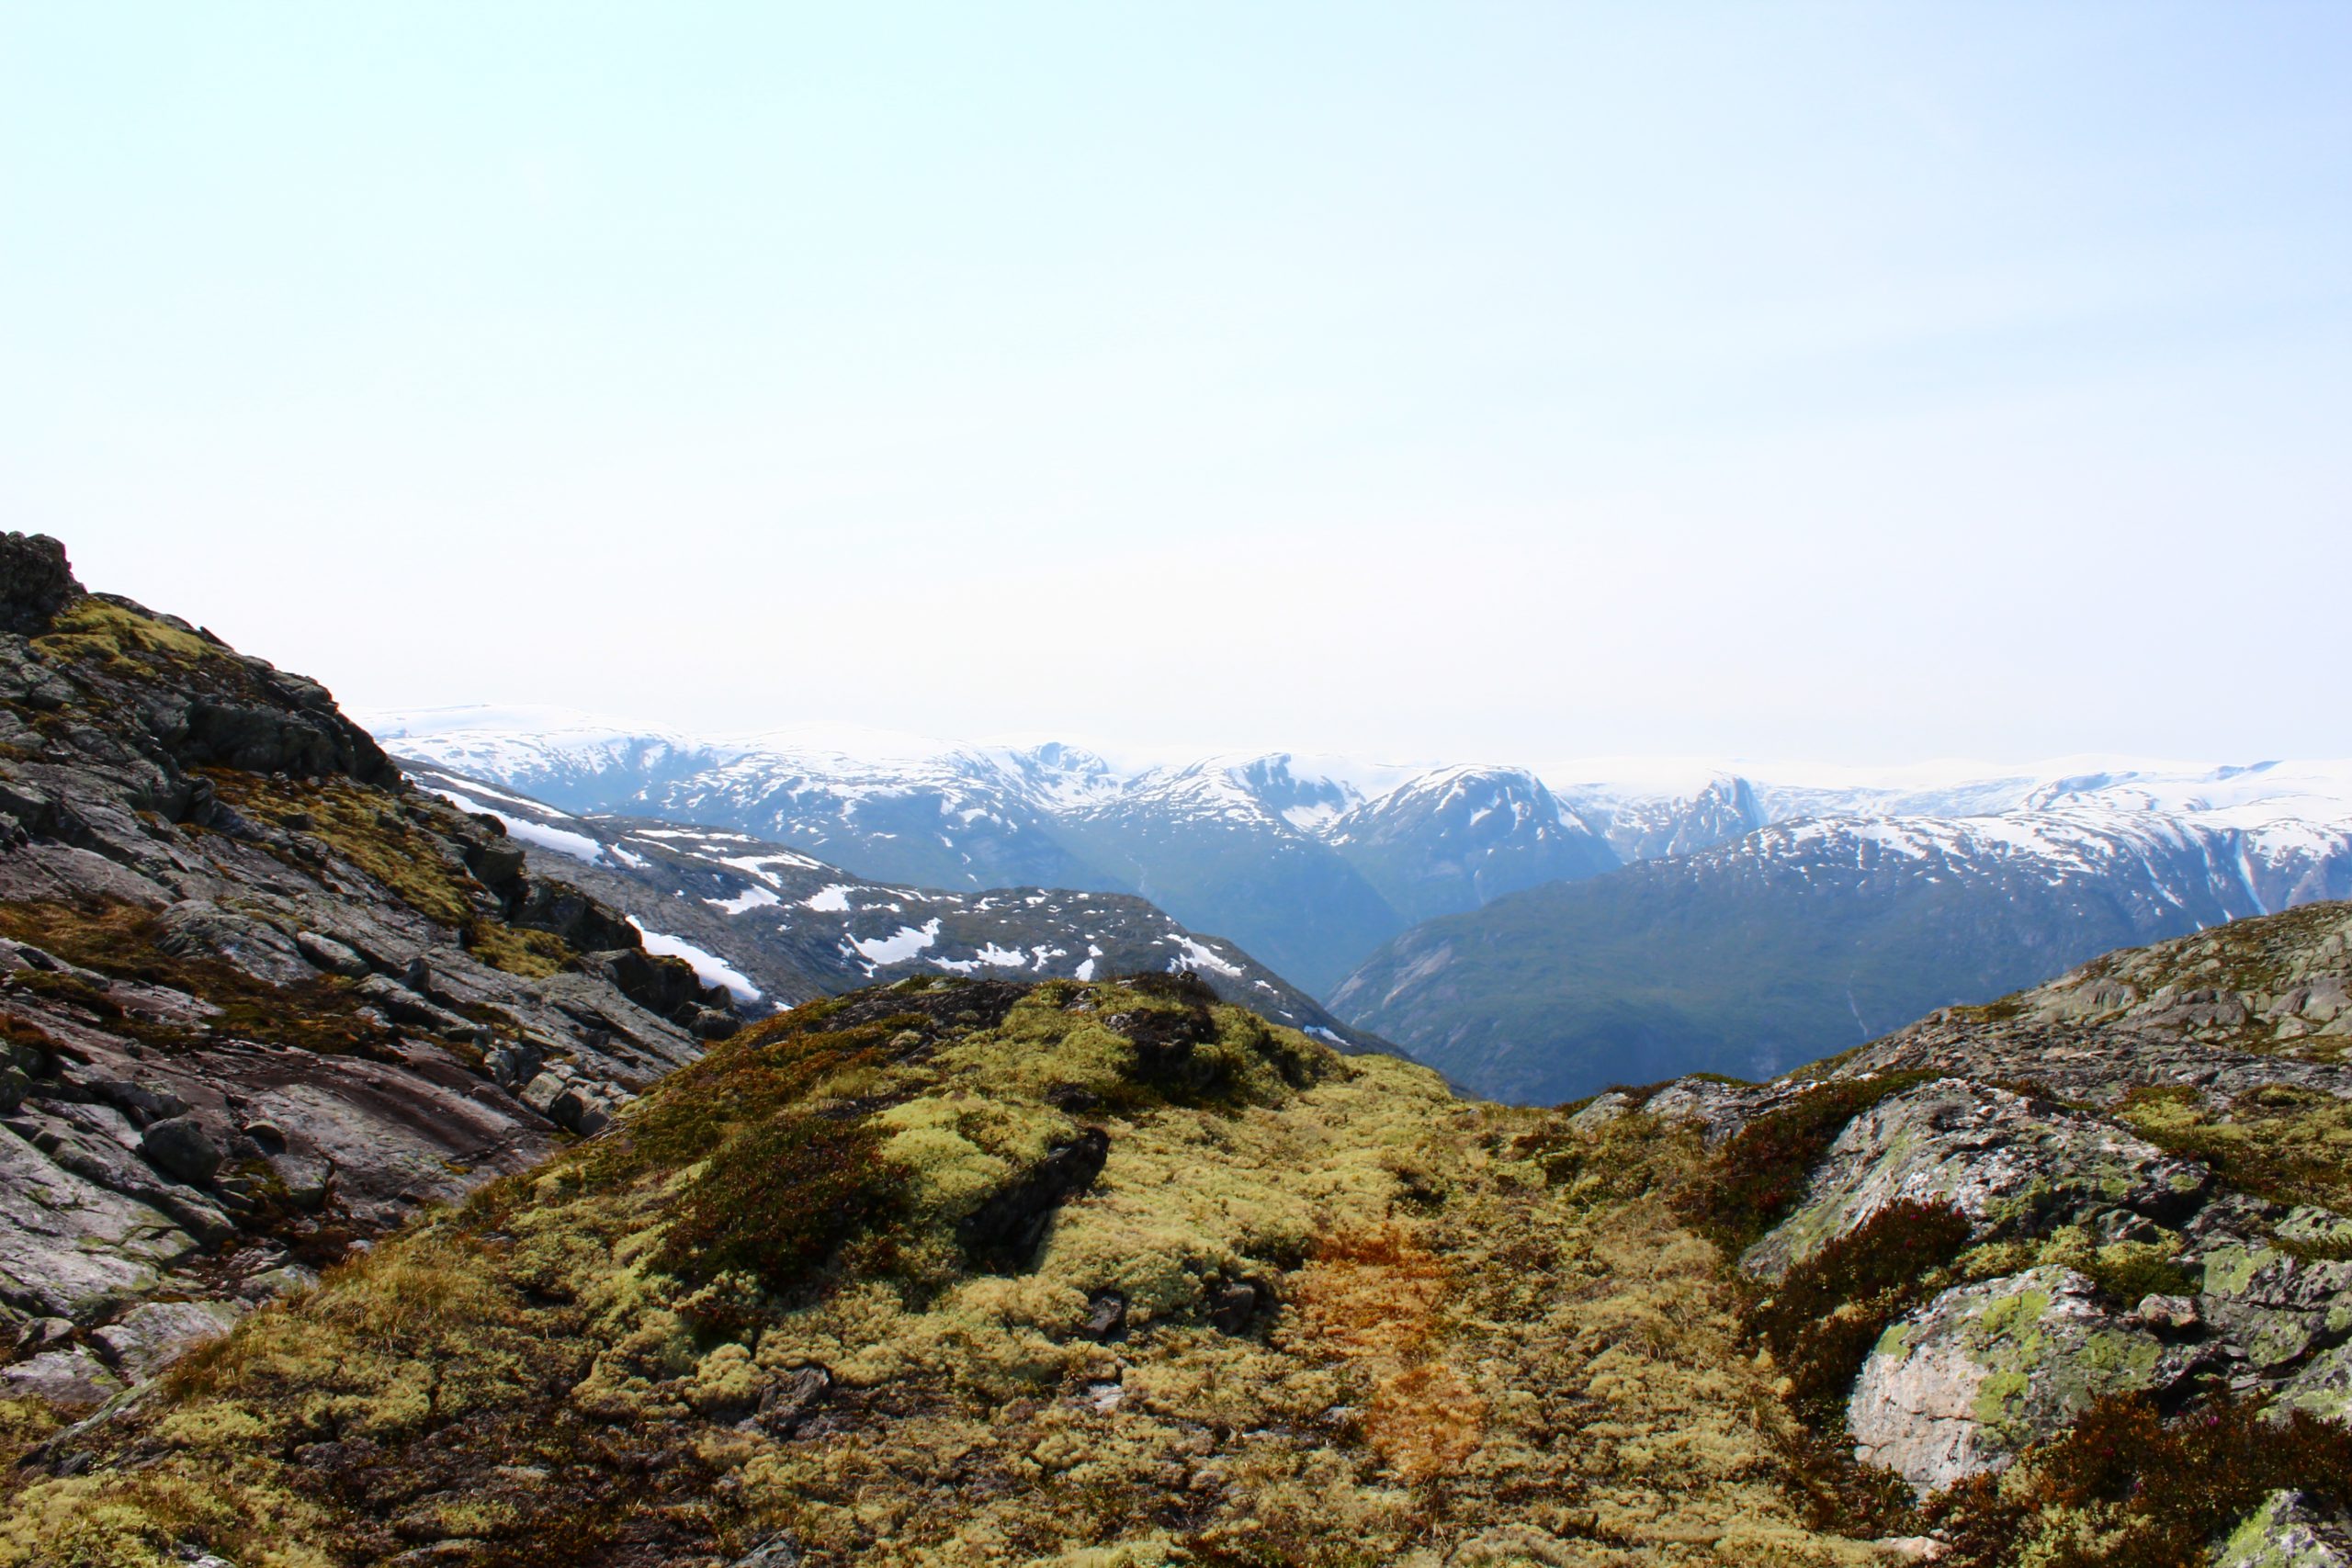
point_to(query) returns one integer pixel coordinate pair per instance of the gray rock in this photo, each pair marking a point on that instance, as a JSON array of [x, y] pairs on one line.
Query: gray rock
[[275, 1285], [72, 1380], [792, 1398], [182, 1149], [34, 582], [2291, 1530], [327, 953], [198, 928], [1604, 1109], [2322, 1386], [1986, 1370], [779, 1552], [68, 1244], [1998, 1157], [512, 1066], [146, 1339], [2274, 1308]]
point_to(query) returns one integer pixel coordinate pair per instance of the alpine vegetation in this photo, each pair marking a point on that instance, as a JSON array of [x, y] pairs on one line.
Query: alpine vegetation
[[375, 1195]]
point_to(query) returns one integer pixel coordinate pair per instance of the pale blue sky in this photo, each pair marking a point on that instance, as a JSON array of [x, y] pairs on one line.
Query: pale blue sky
[[1868, 382]]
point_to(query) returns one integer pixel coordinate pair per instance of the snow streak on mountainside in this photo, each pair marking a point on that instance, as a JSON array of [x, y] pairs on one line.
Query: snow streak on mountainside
[[1807, 937], [776, 927], [1312, 862]]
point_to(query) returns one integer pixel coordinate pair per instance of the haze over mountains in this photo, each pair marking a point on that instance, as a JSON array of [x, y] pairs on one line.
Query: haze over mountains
[[1535, 934]]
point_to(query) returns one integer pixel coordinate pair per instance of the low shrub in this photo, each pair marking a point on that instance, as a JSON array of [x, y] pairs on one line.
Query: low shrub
[[2127, 1488], [1759, 1175], [778, 1200], [1830, 1309]]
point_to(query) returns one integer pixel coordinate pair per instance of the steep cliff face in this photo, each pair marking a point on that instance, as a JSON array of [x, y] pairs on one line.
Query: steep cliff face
[[259, 1001]]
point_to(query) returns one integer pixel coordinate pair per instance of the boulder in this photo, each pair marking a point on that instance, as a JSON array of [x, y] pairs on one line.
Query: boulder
[[1986, 1370], [34, 582], [71, 1379], [2000, 1159], [1603, 1109], [181, 1149]]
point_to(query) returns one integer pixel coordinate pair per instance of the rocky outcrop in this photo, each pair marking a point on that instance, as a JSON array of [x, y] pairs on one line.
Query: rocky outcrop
[[34, 582], [1987, 1369], [252, 988], [2010, 1163]]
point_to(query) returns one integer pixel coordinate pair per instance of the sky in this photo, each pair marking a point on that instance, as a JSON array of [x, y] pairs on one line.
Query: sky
[[1864, 382]]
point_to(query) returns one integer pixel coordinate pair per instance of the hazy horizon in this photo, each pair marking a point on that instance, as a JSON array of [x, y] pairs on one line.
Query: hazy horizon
[[1496, 381]]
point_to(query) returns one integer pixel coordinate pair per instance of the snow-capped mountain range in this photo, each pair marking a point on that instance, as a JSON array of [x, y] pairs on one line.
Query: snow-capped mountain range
[[1313, 862], [776, 928]]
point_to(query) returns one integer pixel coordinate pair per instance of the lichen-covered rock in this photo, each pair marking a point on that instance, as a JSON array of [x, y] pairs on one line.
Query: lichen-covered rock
[[2291, 1530], [1999, 1157], [68, 1244], [2322, 1386], [1986, 1370], [2274, 1308]]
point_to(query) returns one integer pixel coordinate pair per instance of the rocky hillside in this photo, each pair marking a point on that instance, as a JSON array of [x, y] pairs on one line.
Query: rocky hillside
[[970, 1271], [1804, 938], [777, 927], [527, 1256], [259, 1001], [1311, 864]]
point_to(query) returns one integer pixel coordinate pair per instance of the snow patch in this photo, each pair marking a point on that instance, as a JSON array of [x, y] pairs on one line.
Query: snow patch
[[712, 969], [898, 947], [750, 898]]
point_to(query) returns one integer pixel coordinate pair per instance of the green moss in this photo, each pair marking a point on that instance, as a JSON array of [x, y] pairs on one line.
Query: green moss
[[95, 631], [2283, 1143], [364, 827]]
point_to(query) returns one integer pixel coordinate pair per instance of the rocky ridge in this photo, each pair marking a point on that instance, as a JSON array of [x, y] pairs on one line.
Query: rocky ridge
[[260, 1002], [780, 927], [2142, 1174]]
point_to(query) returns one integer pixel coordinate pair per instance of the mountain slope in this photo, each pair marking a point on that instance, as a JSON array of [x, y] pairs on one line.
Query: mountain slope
[[963, 1271], [1453, 838], [779, 927], [259, 1001], [1801, 938], [976, 1272], [1225, 844]]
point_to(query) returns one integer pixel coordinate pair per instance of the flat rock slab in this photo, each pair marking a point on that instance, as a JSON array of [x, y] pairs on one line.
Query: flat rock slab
[[67, 1244]]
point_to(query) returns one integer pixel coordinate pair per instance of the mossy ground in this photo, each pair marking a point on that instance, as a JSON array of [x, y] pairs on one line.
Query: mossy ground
[[1460, 1351], [2291, 1146]]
